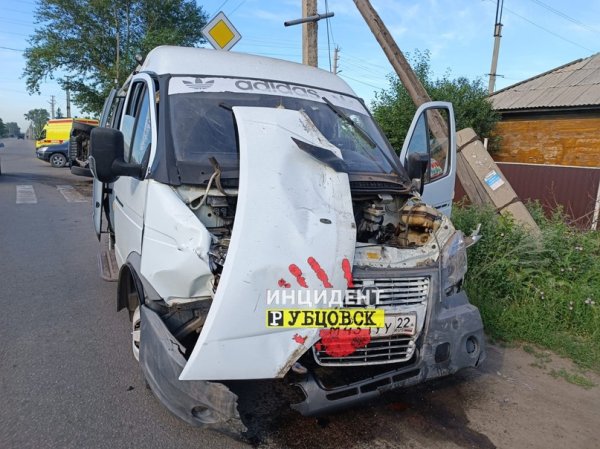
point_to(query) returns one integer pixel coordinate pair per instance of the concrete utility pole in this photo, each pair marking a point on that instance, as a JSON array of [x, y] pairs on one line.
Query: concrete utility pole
[[497, 36], [336, 57], [52, 102], [310, 30]]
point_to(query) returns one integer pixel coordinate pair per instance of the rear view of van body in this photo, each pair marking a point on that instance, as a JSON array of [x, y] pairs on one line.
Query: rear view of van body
[[59, 130]]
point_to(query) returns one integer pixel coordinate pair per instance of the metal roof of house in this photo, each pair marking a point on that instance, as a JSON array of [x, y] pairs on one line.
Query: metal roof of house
[[574, 84]]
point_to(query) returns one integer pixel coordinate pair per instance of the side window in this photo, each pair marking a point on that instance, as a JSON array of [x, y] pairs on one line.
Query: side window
[[131, 112], [114, 113], [142, 138], [430, 136], [439, 144]]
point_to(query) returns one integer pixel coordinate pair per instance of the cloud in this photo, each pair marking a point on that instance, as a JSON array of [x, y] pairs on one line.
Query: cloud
[[271, 16], [397, 31]]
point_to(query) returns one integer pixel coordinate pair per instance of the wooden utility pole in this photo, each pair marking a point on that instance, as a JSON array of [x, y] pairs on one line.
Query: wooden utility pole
[[409, 80], [309, 34]]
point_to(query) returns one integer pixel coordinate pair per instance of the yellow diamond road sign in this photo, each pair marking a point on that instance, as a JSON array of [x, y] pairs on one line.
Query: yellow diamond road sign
[[221, 33]]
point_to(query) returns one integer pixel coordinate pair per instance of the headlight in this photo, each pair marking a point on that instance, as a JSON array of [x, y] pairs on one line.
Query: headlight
[[454, 261], [42, 149]]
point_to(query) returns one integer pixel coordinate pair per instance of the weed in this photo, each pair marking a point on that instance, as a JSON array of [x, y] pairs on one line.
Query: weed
[[573, 378], [541, 291]]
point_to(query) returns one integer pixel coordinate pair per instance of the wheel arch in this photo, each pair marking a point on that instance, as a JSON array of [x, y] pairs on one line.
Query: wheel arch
[[130, 291]]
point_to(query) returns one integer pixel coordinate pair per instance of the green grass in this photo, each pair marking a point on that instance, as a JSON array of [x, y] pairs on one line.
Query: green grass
[[573, 378], [544, 291]]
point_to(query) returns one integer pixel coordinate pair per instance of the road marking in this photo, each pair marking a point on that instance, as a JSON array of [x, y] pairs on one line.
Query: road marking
[[71, 195], [26, 195]]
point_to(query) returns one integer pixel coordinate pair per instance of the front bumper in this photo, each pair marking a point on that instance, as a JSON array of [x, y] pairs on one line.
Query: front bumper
[[43, 155], [199, 403], [453, 340]]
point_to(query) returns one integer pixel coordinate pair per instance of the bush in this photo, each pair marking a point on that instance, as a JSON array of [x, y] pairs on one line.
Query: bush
[[545, 292]]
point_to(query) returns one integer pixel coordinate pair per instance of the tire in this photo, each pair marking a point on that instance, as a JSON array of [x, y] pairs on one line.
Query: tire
[[58, 160], [136, 322], [81, 171]]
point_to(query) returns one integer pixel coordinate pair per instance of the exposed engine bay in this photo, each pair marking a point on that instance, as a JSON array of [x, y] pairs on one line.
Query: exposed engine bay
[[395, 221]]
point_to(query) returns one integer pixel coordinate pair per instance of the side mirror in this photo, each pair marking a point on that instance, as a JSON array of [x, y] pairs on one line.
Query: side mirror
[[416, 165], [106, 156]]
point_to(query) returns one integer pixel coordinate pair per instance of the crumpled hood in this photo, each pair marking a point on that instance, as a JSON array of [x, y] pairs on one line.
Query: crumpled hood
[[293, 210]]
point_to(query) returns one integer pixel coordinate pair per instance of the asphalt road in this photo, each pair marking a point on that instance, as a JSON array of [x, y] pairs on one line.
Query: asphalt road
[[68, 379]]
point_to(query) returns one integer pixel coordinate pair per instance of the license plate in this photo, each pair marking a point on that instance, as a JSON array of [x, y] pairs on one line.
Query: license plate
[[405, 324]]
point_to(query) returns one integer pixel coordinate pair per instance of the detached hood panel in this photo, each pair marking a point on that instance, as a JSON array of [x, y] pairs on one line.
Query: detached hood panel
[[293, 209]]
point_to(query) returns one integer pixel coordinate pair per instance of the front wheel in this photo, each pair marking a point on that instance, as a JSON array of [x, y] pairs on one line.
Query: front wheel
[[136, 329], [58, 160]]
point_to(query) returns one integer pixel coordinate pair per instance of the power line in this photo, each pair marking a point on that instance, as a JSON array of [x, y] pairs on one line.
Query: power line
[[7, 33], [371, 65], [17, 11], [17, 22], [359, 81], [328, 34], [546, 29], [237, 7], [220, 8], [564, 16], [11, 49]]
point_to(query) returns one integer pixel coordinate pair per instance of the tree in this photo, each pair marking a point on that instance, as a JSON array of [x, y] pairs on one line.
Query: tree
[[59, 113], [394, 110], [38, 118], [94, 43], [13, 128], [3, 129]]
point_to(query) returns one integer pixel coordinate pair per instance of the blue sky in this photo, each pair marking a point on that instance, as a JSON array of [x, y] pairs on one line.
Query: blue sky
[[538, 35]]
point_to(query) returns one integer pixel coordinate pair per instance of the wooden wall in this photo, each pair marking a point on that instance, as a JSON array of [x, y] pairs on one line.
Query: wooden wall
[[559, 141]]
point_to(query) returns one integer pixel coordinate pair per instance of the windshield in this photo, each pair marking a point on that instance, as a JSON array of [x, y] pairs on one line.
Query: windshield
[[203, 125]]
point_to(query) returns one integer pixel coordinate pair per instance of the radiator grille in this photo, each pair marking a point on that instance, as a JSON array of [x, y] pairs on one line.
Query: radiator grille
[[392, 349], [398, 291]]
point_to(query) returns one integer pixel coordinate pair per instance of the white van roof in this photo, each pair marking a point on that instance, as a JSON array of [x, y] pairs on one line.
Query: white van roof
[[202, 61]]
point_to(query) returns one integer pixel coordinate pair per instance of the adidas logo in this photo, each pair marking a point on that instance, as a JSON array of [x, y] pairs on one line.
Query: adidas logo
[[199, 84]]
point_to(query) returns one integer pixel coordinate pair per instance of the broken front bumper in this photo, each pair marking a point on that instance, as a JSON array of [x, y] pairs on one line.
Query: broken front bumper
[[198, 402], [453, 340]]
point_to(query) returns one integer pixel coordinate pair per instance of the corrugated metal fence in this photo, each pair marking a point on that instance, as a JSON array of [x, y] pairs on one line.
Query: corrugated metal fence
[[576, 189]]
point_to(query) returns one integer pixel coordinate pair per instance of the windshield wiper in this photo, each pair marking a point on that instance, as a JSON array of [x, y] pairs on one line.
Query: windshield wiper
[[341, 114]]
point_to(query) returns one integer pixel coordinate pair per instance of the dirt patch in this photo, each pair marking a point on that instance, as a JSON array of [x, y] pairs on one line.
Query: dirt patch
[[514, 400]]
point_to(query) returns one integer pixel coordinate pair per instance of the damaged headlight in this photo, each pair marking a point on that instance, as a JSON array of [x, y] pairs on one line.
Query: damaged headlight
[[454, 261]]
